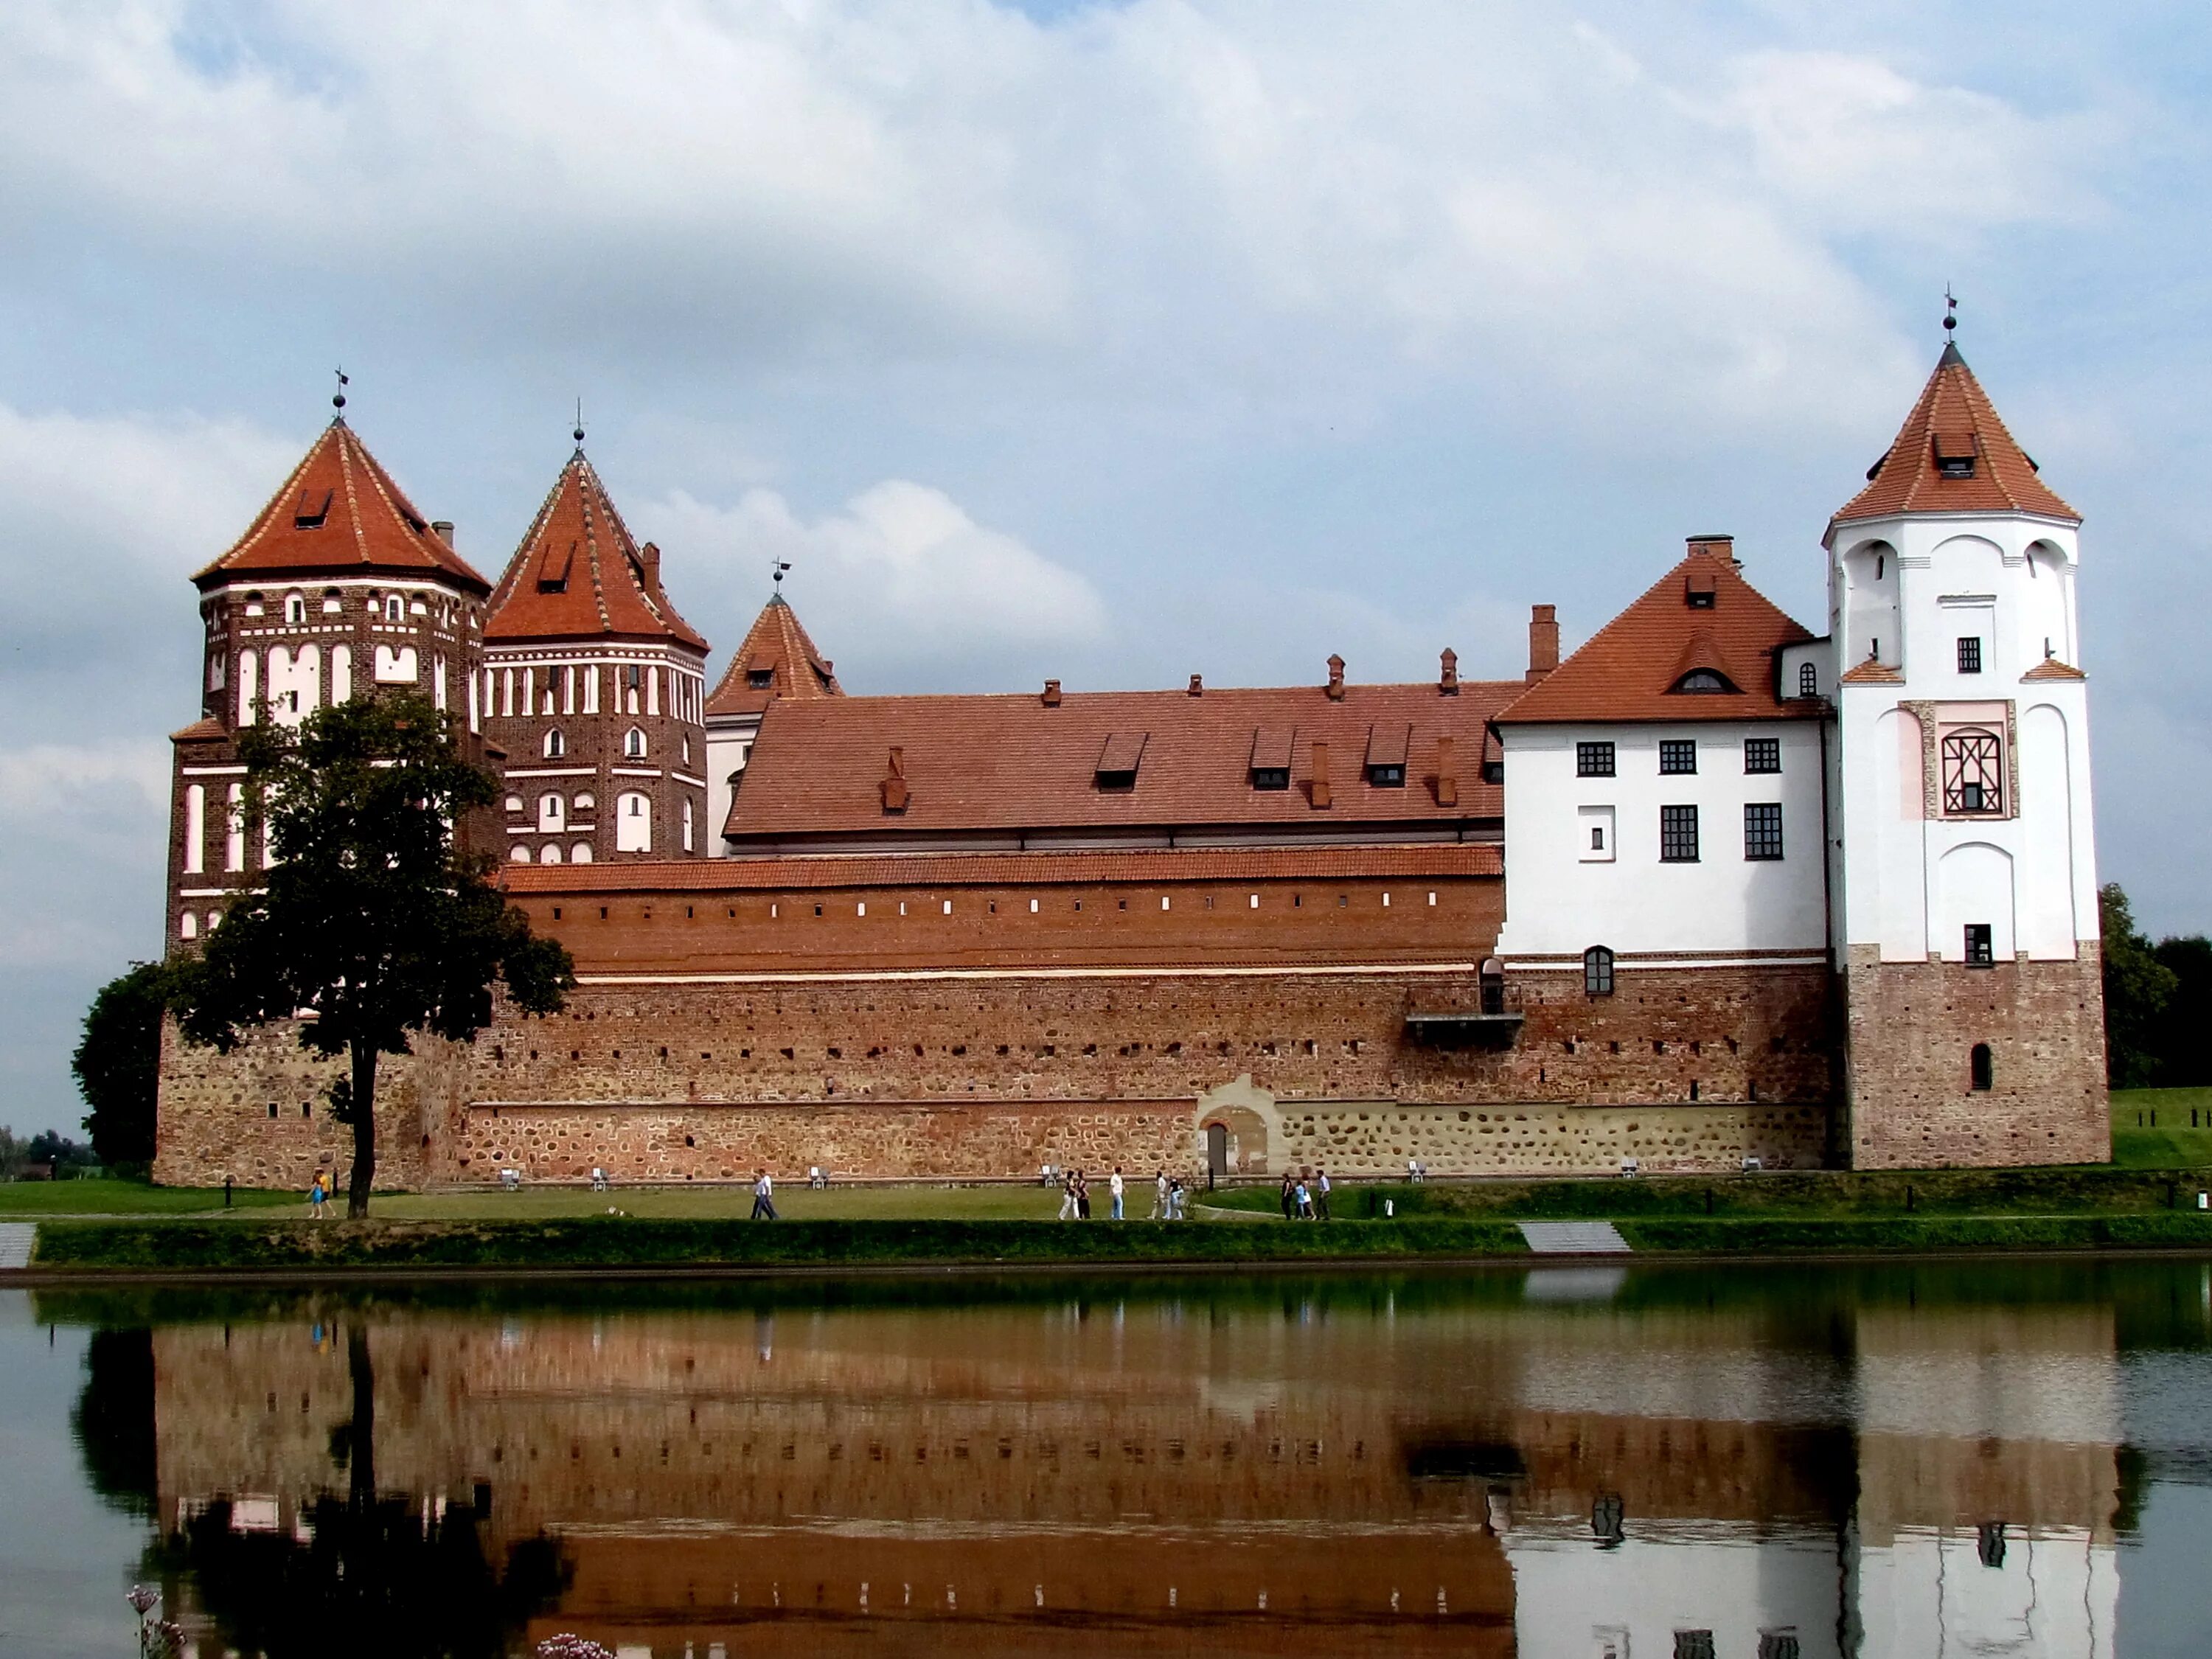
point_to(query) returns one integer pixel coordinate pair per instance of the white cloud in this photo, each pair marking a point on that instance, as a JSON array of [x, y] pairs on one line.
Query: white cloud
[[901, 580]]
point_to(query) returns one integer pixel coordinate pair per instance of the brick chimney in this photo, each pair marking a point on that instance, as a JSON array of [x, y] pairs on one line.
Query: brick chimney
[[1197, 686], [1543, 641], [1723, 546], [894, 790], [443, 529], [651, 554], [1051, 698], [1320, 771], [1335, 678], [1447, 780], [1447, 678]]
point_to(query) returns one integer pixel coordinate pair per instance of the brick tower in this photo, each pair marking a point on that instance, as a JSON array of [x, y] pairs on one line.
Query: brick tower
[[595, 687], [1965, 920], [777, 659], [338, 589]]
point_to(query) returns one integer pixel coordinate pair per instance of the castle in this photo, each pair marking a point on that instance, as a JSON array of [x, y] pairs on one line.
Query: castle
[[1714, 888]]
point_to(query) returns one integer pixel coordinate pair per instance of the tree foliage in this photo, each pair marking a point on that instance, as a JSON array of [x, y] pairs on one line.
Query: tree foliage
[[374, 922], [2139, 989], [118, 1063]]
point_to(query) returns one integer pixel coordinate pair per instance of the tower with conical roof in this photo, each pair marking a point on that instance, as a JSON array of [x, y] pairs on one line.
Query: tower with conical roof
[[1964, 918], [338, 589], [595, 686], [776, 660]]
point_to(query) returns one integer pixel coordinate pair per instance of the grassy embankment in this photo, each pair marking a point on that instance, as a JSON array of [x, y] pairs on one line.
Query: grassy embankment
[[2162, 1128]]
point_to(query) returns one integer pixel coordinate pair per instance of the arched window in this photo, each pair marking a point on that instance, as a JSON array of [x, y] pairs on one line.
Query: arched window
[[633, 743], [550, 816], [1973, 771], [295, 609], [1492, 984], [1597, 971], [633, 825], [189, 925], [585, 803], [687, 823], [1704, 680], [395, 608], [580, 853], [1979, 1069], [521, 854], [555, 745], [1809, 680], [550, 854]]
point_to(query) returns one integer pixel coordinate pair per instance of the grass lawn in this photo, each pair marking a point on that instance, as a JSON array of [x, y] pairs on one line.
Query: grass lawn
[[2152, 1128], [39, 1198], [793, 1203]]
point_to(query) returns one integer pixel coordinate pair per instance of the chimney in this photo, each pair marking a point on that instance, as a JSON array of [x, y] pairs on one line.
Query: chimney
[[1051, 698], [1721, 546], [651, 554], [1448, 681], [895, 791], [443, 529], [1320, 771], [1446, 780], [1197, 686], [1335, 678], [1543, 641]]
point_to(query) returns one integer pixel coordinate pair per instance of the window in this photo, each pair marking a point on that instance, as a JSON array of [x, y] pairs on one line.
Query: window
[[1597, 971], [1762, 754], [1972, 769], [1809, 680], [759, 679], [1678, 755], [395, 608], [634, 745], [585, 803], [1492, 984], [1762, 829], [1704, 680], [514, 803], [1970, 653], [1271, 777], [1594, 838], [1387, 776], [633, 825], [1980, 1073], [1693, 1645], [1593, 760], [1981, 947], [1778, 1645], [1677, 835], [296, 610], [549, 814], [555, 745]]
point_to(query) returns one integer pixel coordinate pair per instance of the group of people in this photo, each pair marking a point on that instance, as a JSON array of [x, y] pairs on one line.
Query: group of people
[[1305, 1194], [1169, 1196]]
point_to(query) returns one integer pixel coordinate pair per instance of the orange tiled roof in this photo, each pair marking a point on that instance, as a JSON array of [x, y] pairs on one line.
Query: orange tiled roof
[[2052, 669], [1954, 418], [579, 573], [200, 730], [339, 512], [1628, 670], [1871, 672], [1008, 764], [993, 869], [776, 645]]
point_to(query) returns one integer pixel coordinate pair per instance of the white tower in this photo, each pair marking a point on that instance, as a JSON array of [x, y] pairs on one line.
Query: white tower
[[1964, 911]]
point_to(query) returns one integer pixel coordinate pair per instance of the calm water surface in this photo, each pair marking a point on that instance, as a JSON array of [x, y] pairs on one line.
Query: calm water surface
[[1647, 1463]]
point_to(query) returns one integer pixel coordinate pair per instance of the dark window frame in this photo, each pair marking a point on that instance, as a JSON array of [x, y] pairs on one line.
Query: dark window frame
[[1677, 835], [1981, 1069], [1597, 971], [1981, 945], [1809, 680], [1596, 759], [1970, 653], [1973, 772], [1271, 777], [1762, 831], [1762, 755], [1387, 775], [1674, 752]]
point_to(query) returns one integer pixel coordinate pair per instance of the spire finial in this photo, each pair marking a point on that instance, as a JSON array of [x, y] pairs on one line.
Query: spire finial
[[776, 568], [1950, 315], [338, 398], [580, 423]]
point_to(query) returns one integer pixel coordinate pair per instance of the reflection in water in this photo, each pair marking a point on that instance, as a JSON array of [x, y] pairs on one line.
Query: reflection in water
[[1749, 1465]]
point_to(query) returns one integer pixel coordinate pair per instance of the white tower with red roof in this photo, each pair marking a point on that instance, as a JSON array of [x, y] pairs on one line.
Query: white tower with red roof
[[1965, 922], [595, 687], [776, 660]]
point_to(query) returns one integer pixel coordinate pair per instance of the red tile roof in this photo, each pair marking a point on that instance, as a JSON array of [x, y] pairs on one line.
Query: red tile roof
[[340, 512], [579, 574], [1008, 764], [1871, 672], [1953, 419], [777, 646], [1443, 859], [204, 729], [2052, 669], [1629, 669]]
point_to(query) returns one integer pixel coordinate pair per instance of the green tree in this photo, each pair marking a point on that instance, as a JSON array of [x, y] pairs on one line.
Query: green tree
[[118, 1063], [2137, 988], [2182, 1039], [374, 920]]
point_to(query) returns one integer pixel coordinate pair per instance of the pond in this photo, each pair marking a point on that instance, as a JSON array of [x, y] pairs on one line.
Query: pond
[[1988, 1457]]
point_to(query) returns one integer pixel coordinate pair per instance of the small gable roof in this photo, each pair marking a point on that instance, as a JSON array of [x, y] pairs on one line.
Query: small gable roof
[[1629, 669], [579, 574], [338, 512], [776, 644], [1955, 421]]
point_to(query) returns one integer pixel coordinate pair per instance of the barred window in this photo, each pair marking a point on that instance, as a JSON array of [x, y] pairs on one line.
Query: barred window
[[1762, 754], [1593, 760], [1778, 1645], [1809, 680], [1597, 971], [1972, 769], [1981, 947], [1678, 755], [1762, 829], [1677, 835], [1970, 653], [1693, 1645]]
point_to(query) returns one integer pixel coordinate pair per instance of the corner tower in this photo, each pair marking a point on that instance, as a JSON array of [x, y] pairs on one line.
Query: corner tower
[[777, 659], [1965, 922], [338, 589], [595, 687]]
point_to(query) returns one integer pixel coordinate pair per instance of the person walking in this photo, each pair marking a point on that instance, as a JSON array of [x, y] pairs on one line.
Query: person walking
[[1320, 1184], [1114, 1187], [318, 1195], [1160, 1196], [1082, 1197], [1175, 1199], [1288, 1196], [1067, 1195], [1304, 1201], [763, 1199]]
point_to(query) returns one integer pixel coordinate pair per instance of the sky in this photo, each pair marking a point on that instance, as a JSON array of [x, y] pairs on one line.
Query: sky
[[1109, 341]]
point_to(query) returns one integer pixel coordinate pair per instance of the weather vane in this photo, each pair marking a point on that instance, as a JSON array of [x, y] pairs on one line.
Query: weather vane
[[776, 568], [1950, 314], [580, 422], [337, 399]]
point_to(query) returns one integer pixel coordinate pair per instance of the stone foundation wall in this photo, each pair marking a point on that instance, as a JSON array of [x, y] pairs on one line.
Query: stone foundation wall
[[1913, 1027]]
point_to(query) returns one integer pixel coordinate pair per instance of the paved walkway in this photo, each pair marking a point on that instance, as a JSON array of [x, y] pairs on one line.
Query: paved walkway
[[16, 1238], [1574, 1238]]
